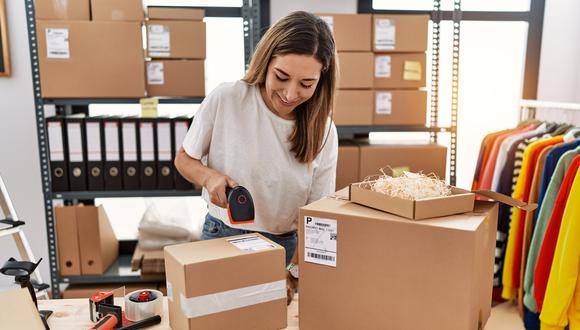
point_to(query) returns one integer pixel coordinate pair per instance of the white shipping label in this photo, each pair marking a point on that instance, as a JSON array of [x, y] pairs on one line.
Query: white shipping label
[[129, 142], [155, 73], [330, 21], [55, 142], [384, 103], [385, 34], [383, 66], [169, 290], [57, 43], [180, 133], [112, 152], [320, 237], [253, 243], [147, 142], [94, 142], [75, 142], [158, 40], [164, 141]]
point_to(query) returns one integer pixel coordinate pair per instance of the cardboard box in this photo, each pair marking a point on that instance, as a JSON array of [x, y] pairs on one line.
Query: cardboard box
[[98, 244], [176, 39], [91, 59], [347, 167], [386, 272], [115, 10], [400, 107], [73, 10], [148, 262], [399, 70], [76, 291], [356, 70], [204, 272], [426, 158], [352, 32], [182, 14], [175, 78], [400, 33], [69, 260], [18, 311], [353, 107]]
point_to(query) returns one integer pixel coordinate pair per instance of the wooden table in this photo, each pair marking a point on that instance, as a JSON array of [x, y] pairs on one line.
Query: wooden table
[[74, 314]]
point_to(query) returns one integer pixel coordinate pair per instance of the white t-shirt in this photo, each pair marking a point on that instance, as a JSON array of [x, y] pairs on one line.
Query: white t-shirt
[[236, 134]]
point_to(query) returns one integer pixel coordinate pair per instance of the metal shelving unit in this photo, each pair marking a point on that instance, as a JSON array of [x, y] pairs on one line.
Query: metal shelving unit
[[120, 271]]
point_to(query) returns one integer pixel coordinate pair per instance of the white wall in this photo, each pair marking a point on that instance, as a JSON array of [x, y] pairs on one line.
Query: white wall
[[19, 162]]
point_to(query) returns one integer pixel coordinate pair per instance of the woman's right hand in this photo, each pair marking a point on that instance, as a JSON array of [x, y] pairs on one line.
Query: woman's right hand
[[216, 185]]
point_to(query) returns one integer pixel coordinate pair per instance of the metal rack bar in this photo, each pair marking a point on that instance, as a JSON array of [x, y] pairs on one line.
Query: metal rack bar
[[454, 91], [343, 130], [528, 108], [87, 101], [434, 97], [83, 195]]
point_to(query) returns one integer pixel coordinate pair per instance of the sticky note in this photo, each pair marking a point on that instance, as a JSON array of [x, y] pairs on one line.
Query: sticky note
[[149, 107], [412, 70]]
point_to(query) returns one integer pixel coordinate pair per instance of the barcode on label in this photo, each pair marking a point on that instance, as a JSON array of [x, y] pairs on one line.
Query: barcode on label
[[320, 256]]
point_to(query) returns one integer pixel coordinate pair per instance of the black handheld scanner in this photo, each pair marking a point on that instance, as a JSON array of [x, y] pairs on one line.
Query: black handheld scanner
[[240, 205]]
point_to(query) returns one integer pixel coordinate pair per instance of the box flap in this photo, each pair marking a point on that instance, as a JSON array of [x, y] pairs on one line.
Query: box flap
[[506, 200], [17, 311]]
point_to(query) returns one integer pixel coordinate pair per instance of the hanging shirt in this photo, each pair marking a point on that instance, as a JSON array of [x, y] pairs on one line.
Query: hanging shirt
[[562, 301], [486, 150]]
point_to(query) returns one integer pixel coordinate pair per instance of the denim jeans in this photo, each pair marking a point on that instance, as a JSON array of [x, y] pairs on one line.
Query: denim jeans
[[215, 228]]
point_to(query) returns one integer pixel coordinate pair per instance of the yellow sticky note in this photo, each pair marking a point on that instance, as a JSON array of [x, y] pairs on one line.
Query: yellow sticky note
[[149, 107], [398, 171], [412, 70]]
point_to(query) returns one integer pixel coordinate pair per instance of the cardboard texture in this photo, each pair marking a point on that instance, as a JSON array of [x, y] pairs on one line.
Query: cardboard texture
[[115, 10], [74, 10], [183, 14], [347, 166], [69, 260], [74, 291], [186, 39], [400, 107], [17, 311], [352, 32], [99, 247], [99, 59], [353, 107], [179, 78], [214, 266], [356, 70], [149, 262], [400, 33], [426, 158], [392, 273], [394, 71]]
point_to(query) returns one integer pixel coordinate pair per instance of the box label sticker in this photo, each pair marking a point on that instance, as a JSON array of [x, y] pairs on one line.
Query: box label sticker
[[412, 70], [158, 40], [253, 243], [383, 67], [385, 34], [384, 103], [330, 21], [155, 73], [169, 291], [57, 43], [320, 237]]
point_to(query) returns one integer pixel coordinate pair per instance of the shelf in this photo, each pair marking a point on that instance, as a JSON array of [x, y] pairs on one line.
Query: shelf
[[124, 193], [369, 129], [173, 100], [119, 272]]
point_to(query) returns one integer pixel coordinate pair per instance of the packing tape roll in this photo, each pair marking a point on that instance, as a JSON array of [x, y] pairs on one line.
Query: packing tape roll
[[136, 310]]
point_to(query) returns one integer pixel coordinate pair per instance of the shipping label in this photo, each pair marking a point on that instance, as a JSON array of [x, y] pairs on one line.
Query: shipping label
[[385, 34], [158, 40], [383, 66], [155, 73], [320, 236], [384, 103], [253, 243], [57, 43]]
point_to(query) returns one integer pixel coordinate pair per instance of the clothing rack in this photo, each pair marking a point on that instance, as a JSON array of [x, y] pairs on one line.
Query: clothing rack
[[529, 110]]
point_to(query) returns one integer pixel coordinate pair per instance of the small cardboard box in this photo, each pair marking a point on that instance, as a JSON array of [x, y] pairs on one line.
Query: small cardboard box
[[148, 261], [353, 107], [176, 39], [347, 166], [394, 71], [400, 107], [99, 246], [73, 10], [356, 70], [228, 283], [352, 32], [182, 14], [115, 10], [180, 78], [400, 33], [69, 259]]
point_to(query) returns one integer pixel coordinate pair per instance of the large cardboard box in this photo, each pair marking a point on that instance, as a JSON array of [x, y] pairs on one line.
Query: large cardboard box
[[352, 32], [77, 10], [229, 283], [399, 70], [176, 78], [353, 107], [400, 33], [347, 167], [90, 59], [356, 70], [400, 107], [98, 244], [176, 13], [115, 10], [69, 260], [388, 272], [176, 39], [426, 158]]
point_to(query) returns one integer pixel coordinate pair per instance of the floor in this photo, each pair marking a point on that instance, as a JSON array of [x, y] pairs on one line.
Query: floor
[[504, 317]]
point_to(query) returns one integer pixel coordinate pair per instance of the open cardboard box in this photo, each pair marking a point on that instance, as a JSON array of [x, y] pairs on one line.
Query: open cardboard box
[[460, 201]]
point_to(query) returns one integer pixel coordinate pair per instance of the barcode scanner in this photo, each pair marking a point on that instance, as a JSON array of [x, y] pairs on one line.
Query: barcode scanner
[[240, 205]]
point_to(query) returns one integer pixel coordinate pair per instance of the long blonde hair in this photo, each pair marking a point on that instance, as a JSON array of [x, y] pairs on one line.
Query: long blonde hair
[[301, 33]]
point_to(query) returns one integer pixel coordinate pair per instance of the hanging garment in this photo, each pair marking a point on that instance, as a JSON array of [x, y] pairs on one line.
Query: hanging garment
[[485, 150]]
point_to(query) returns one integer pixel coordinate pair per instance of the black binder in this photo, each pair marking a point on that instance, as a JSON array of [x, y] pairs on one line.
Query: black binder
[[178, 131], [95, 153], [57, 153], [76, 137], [130, 143], [165, 166], [147, 154], [112, 145]]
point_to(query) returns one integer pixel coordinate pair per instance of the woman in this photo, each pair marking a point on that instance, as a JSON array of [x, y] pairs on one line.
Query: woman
[[271, 132]]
